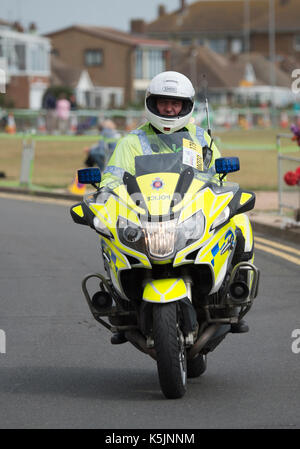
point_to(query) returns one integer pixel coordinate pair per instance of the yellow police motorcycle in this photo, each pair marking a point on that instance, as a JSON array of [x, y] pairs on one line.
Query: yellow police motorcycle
[[178, 255]]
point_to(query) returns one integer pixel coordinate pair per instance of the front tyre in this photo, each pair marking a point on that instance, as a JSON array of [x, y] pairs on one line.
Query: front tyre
[[170, 350]]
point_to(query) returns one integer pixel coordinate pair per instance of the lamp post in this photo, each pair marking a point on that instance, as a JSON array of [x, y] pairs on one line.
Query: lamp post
[[272, 56], [247, 26], [247, 40]]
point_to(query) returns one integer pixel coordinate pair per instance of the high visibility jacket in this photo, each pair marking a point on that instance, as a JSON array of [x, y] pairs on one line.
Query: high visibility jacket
[[137, 144]]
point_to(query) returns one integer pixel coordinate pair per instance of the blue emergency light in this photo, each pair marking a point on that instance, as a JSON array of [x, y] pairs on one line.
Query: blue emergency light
[[89, 176], [225, 165]]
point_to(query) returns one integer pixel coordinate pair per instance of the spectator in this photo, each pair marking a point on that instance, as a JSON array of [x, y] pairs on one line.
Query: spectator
[[63, 107], [73, 102], [50, 106], [101, 153], [73, 114]]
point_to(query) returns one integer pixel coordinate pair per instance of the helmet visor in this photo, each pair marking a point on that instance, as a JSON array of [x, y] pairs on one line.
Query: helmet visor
[[151, 102]]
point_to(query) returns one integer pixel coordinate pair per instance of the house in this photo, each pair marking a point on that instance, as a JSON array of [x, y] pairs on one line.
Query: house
[[77, 79], [235, 79], [25, 60], [119, 65], [228, 26]]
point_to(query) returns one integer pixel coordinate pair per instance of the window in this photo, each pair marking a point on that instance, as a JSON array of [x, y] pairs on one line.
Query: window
[[186, 42], [24, 56], [93, 58], [21, 56], [139, 64], [218, 45], [16, 55], [149, 63], [156, 63], [38, 57], [297, 42]]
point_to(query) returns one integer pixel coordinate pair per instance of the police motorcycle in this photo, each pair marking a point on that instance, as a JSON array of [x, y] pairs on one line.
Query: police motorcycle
[[172, 239]]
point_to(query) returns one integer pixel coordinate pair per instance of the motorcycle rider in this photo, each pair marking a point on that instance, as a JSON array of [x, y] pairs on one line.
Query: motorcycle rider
[[169, 105]]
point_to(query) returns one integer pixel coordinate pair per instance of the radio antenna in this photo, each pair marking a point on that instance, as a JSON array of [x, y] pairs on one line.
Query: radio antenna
[[204, 85], [207, 117]]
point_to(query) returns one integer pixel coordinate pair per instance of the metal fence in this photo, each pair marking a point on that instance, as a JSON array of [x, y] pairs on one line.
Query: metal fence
[[86, 121], [288, 195]]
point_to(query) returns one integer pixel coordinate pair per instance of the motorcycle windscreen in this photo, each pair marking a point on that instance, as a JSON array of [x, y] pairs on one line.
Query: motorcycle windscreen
[[165, 163]]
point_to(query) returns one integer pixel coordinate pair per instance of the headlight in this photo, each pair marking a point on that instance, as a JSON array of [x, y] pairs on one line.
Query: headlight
[[131, 235], [160, 237], [224, 215], [190, 230]]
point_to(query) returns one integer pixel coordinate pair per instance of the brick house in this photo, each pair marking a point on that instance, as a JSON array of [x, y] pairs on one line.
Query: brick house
[[226, 26], [25, 59], [119, 64], [230, 79], [77, 79]]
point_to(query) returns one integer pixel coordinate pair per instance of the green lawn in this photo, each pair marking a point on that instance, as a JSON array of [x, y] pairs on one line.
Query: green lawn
[[56, 160]]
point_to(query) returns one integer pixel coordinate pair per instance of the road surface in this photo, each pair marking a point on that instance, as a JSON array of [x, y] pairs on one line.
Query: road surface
[[60, 370]]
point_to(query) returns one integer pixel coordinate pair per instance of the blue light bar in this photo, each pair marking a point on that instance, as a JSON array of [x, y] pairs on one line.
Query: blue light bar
[[227, 164], [89, 176]]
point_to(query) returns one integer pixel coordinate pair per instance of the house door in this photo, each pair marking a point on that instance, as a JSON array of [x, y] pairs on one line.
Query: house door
[[36, 95]]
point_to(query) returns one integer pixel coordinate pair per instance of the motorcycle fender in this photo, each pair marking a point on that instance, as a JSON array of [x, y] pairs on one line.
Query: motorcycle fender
[[165, 290]]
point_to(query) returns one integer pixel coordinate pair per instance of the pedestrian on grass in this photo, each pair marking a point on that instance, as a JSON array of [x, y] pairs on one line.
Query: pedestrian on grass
[[63, 107]]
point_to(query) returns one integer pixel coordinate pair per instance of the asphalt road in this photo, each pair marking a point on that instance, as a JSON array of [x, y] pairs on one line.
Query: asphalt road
[[60, 370]]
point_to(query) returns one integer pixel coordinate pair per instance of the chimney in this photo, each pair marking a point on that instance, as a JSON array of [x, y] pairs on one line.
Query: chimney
[[18, 27], [137, 26], [182, 5], [161, 10], [32, 28]]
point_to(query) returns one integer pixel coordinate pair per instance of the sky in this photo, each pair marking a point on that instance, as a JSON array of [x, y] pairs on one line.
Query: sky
[[51, 15]]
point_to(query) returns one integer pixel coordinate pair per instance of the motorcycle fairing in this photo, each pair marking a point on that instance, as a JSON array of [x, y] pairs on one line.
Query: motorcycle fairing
[[216, 254], [211, 206], [156, 200], [243, 222]]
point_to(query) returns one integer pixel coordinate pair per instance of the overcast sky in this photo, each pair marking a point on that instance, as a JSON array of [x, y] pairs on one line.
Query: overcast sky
[[50, 15]]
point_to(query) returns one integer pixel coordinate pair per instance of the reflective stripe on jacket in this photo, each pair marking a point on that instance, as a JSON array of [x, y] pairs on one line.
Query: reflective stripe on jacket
[[137, 144]]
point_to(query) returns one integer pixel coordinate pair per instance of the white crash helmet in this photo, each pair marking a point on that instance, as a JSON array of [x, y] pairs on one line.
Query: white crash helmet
[[171, 85]]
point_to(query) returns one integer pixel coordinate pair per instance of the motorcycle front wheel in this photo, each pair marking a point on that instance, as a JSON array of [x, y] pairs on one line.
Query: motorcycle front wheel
[[170, 350]]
